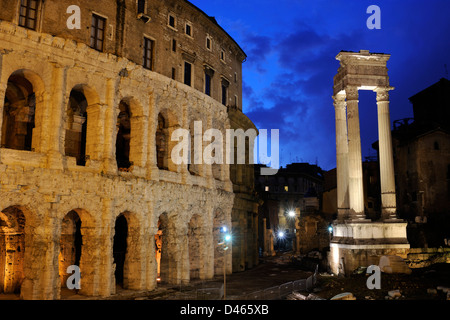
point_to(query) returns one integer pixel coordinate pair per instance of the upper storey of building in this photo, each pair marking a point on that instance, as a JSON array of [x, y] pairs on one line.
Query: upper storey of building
[[171, 37]]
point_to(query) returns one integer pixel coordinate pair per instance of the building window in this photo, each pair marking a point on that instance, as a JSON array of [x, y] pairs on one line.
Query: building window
[[225, 85], [286, 188], [97, 32], [436, 145], [148, 53], [209, 73], [141, 7], [172, 21], [222, 55], [173, 73], [235, 101], [208, 43], [187, 73], [207, 84], [188, 29], [28, 13], [266, 188], [174, 45]]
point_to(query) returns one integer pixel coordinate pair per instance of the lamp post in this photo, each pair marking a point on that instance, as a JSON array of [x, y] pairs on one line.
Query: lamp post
[[224, 243]]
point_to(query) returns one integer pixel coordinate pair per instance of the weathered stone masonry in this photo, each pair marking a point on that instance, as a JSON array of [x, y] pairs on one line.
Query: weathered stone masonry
[[44, 194]]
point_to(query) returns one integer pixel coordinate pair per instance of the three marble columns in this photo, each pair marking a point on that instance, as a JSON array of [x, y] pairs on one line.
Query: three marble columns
[[349, 172]]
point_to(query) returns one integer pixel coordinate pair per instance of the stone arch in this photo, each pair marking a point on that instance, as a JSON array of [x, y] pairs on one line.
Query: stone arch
[[167, 250], [78, 246], [23, 96], [12, 248], [81, 97], [167, 122], [127, 251], [123, 137], [70, 244], [131, 139]]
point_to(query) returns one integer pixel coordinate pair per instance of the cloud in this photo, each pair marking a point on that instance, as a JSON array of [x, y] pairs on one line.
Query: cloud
[[298, 100]]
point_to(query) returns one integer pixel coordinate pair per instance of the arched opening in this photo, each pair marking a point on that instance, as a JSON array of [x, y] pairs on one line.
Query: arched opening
[[76, 126], [436, 145], [12, 248], [18, 113], [70, 245], [158, 247], [164, 257], [123, 137], [120, 247], [195, 248], [162, 143]]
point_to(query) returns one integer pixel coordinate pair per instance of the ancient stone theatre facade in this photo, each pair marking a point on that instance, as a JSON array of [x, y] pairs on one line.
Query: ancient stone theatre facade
[[86, 117]]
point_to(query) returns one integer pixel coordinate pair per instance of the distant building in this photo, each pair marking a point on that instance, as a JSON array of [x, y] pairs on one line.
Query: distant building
[[422, 166], [371, 183], [289, 197]]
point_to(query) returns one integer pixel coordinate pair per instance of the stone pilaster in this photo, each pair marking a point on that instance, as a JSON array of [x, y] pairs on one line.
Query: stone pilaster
[[55, 148], [355, 174], [95, 124], [388, 201]]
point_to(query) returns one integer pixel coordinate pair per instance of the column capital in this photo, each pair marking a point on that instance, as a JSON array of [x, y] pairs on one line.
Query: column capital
[[339, 100], [352, 92], [383, 93]]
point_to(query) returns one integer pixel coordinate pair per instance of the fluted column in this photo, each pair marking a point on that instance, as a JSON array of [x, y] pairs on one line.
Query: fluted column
[[355, 187], [341, 156], [387, 178]]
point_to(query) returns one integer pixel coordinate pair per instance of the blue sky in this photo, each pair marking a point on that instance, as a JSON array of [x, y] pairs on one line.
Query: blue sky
[[291, 47]]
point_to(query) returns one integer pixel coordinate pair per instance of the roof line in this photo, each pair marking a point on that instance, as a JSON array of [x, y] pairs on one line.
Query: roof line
[[213, 20]]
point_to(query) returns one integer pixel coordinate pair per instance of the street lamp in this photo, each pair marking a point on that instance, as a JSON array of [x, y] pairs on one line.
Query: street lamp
[[224, 243], [291, 213]]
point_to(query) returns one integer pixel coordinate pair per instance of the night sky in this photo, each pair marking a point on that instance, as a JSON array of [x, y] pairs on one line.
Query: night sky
[[291, 47]]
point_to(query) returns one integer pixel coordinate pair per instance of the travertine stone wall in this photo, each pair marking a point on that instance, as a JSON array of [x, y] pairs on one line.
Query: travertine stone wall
[[125, 32], [45, 185]]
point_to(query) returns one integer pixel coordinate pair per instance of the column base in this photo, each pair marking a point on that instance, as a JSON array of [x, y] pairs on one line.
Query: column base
[[357, 220]]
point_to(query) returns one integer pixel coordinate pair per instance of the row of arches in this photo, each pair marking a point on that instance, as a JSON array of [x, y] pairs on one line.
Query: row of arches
[[22, 112], [171, 251]]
